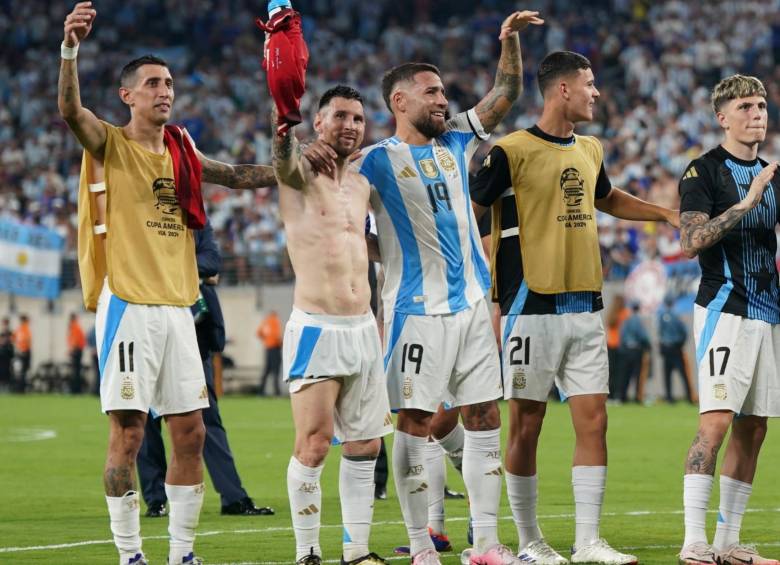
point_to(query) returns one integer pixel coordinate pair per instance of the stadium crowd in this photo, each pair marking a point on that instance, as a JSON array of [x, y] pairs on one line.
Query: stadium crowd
[[655, 63]]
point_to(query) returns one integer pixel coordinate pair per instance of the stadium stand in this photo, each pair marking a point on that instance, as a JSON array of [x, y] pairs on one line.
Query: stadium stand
[[654, 61]]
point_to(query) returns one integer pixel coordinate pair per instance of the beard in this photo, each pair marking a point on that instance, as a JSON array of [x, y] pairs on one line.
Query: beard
[[426, 126]]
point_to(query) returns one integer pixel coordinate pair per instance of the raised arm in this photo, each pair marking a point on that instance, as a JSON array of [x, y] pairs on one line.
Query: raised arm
[[90, 132], [698, 231], [290, 168], [623, 205], [236, 176], [509, 73]]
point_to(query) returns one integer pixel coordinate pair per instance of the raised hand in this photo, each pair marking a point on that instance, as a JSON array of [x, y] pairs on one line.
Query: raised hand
[[78, 23], [321, 157], [518, 21], [758, 186]]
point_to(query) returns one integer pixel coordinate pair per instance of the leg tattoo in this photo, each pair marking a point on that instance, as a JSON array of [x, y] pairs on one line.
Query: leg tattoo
[[702, 456]]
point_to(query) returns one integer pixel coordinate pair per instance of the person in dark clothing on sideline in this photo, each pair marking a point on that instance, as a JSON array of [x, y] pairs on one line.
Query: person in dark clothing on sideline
[[634, 343], [210, 329], [6, 355], [672, 335]]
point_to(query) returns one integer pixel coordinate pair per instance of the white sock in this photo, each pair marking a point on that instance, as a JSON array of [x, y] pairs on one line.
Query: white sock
[[696, 499], [125, 514], [734, 496], [452, 444], [303, 490], [356, 491], [437, 471], [523, 492], [185, 502], [411, 484], [589, 484], [482, 473]]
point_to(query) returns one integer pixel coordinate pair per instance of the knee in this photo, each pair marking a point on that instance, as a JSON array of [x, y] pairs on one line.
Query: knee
[[594, 424], [188, 440], [312, 448], [713, 426], [482, 417], [750, 430], [414, 422], [363, 449], [127, 441], [443, 423]]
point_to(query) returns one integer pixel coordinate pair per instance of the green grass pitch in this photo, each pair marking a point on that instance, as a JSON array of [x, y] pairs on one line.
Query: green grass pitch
[[52, 508]]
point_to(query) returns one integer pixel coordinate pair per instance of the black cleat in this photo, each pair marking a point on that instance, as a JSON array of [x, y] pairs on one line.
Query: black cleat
[[370, 559], [310, 559], [451, 494], [246, 507], [156, 510], [380, 493]]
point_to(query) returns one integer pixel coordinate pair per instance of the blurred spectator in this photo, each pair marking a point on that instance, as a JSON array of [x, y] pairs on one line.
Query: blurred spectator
[[76, 344], [23, 346], [270, 333], [6, 355], [634, 353], [93, 355], [672, 335], [617, 314]]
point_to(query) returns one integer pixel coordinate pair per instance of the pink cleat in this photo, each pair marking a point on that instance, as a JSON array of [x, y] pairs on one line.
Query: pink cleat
[[496, 555]]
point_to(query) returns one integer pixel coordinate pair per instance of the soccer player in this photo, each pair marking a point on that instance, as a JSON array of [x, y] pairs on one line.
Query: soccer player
[[728, 213], [544, 185], [145, 331], [332, 355], [438, 342]]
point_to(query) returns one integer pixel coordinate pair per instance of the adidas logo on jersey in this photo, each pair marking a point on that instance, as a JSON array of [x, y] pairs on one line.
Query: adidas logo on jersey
[[690, 173], [407, 173]]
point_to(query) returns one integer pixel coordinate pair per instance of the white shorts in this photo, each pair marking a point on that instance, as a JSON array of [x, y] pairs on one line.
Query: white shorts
[[449, 358], [149, 357], [738, 363], [569, 350], [319, 347]]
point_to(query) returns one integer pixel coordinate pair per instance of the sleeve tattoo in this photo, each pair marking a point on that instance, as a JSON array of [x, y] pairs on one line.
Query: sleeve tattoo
[[507, 86], [237, 176], [699, 232]]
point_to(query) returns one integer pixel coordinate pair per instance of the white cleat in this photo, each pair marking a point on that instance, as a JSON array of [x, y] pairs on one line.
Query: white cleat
[[426, 557], [739, 554], [698, 553], [600, 552], [540, 553]]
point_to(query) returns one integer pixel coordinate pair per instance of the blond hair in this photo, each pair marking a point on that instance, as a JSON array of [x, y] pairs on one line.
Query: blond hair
[[733, 87]]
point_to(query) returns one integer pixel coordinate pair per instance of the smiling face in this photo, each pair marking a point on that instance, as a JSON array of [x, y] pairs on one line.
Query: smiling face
[[149, 93], [341, 124], [423, 102], [581, 95], [744, 119]]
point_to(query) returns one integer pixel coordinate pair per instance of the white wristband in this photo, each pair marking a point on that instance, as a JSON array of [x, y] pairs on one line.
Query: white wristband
[[68, 53]]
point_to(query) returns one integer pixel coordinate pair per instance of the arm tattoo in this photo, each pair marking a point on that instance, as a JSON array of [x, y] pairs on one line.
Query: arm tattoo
[[118, 480], [507, 86], [702, 456], [237, 176], [698, 232]]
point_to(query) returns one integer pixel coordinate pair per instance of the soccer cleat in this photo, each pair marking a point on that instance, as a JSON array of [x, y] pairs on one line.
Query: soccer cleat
[[470, 532], [137, 559], [370, 559], [698, 553], [600, 552], [190, 559], [496, 555], [310, 559], [540, 552], [440, 541], [739, 554], [426, 557], [453, 494]]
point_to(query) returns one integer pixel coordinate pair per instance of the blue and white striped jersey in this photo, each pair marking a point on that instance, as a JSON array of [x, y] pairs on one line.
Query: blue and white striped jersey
[[428, 236]]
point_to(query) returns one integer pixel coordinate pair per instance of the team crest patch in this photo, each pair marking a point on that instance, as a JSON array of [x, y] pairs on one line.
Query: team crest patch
[[518, 379], [446, 160], [127, 390], [719, 391], [429, 168], [407, 388]]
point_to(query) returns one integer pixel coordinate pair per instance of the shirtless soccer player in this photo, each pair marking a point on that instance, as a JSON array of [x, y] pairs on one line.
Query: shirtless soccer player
[[729, 209], [438, 339], [544, 185], [145, 332], [332, 354]]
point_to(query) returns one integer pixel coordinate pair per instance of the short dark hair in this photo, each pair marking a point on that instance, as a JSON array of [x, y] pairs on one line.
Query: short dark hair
[[557, 64], [339, 91], [407, 71], [128, 72]]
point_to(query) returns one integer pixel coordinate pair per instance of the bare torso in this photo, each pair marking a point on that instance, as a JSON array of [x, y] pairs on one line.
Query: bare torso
[[325, 225]]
